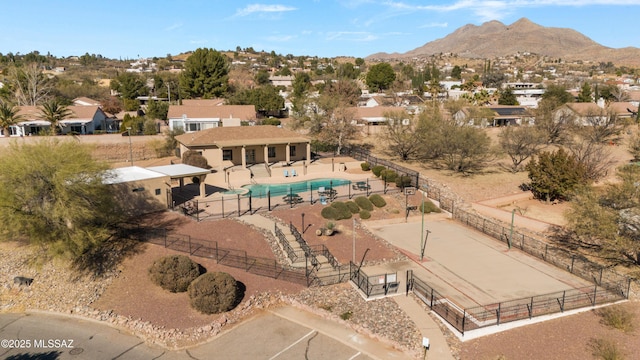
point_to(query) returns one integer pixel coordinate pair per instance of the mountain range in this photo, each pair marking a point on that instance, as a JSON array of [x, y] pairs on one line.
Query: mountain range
[[494, 39]]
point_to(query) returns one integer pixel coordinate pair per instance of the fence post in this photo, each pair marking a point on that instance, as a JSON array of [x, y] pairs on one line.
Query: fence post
[[222, 201], [484, 221], [464, 317], [250, 203], [269, 200], [431, 303], [498, 314], [531, 309], [522, 243], [563, 297], [239, 205], [189, 244], [197, 212], [600, 281], [595, 290], [573, 259], [546, 248]]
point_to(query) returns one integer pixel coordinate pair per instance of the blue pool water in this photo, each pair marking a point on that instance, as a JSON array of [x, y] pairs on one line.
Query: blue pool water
[[260, 190]]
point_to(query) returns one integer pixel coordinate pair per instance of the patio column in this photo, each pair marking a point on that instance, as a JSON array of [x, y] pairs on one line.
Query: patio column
[[287, 155], [243, 153], [202, 187], [308, 153], [266, 154]]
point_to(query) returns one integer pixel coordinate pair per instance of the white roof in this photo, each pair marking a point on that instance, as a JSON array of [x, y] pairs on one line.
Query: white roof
[[129, 174], [179, 170]]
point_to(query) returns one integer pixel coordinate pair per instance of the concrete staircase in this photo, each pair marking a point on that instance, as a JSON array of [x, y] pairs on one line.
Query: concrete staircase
[[259, 171]]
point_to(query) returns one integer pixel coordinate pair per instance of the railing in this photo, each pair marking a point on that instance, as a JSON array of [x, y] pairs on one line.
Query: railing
[[292, 254], [305, 247]]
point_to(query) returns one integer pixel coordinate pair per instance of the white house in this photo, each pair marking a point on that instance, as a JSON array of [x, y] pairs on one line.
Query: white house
[[193, 118]]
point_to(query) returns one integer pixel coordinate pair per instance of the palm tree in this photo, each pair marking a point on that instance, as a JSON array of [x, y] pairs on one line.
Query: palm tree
[[54, 111], [8, 116]]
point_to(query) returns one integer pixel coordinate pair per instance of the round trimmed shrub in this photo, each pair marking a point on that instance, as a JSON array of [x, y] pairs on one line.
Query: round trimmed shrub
[[353, 207], [365, 166], [364, 214], [388, 175], [174, 273], [377, 200], [376, 170], [214, 293], [364, 203], [403, 181], [329, 212], [343, 210], [429, 207]]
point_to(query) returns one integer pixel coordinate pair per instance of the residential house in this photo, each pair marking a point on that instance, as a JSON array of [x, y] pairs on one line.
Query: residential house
[[85, 101], [493, 115], [83, 120], [596, 113], [236, 154], [193, 118], [286, 81], [370, 119]]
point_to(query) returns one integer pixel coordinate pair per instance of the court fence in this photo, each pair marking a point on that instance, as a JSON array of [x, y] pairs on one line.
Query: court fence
[[467, 319]]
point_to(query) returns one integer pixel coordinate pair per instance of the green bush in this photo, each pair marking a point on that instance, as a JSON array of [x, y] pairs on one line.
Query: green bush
[[429, 207], [343, 210], [377, 200], [214, 293], [174, 273], [376, 170], [364, 214], [364, 203], [365, 166], [403, 181], [388, 175], [329, 212], [353, 207]]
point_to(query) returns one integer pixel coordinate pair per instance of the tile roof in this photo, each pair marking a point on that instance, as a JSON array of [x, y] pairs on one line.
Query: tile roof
[[243, 112], [376, 111], [203, 102], [241, 135], [77, 112]]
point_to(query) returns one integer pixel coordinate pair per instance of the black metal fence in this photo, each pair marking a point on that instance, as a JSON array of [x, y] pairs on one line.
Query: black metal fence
[[241, 204], [224, 256], [573, 263], [466, 319], [374, 285]]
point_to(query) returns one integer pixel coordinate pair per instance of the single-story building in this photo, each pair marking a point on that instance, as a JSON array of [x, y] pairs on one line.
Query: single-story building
[[193, 118], [83, 120], [243, 151]]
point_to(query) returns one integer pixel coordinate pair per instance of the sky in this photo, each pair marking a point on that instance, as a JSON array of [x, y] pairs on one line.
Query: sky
[[130, 29]]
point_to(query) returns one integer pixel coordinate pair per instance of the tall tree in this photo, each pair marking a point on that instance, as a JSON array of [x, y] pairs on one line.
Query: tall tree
[[401, 136], [67, 208], [507, 97], [266, 99], [54, 111], [9, 115], [205, 75], [585, 94], [31, 87], [380, 77], [338, 129], [559, 94], [129, 86]]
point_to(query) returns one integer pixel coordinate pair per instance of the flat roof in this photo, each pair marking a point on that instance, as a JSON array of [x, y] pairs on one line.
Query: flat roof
[[129, 174], [179, 170]]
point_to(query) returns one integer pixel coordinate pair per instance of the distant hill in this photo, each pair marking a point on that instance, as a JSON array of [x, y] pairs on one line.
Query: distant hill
[[493, 39]]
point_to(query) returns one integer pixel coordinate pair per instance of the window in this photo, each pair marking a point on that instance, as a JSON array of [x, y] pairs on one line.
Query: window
[[227, 154], [158, 191], [292, 150], [272, 151]]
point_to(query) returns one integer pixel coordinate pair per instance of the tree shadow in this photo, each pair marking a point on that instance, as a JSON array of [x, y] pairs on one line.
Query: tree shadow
[[51, 355], [241, 289]]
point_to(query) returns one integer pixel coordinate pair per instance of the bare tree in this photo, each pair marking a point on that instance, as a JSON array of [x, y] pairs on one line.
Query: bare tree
[[401, 135], [602, 127], [520, 143], [31, 86], [596, 158], [338, 128], [555, 125]]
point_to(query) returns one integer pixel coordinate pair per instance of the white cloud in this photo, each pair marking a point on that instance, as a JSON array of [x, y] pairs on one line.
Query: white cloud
[[434, 25], [173, 27], [351, 36], [499, 9], [281, 38], [262, 8], [196, 42]]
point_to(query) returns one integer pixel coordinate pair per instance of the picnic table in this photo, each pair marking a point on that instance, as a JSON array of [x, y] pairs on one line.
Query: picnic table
[[361, 185], [292, 199]]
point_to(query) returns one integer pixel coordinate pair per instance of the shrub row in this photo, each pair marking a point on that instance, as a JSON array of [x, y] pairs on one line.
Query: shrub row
[[361, 205]]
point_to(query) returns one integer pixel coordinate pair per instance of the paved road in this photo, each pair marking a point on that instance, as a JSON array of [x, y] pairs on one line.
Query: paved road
[[282, 334]]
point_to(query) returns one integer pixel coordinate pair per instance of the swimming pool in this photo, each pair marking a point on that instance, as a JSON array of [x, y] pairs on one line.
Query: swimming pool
[[260, 190]]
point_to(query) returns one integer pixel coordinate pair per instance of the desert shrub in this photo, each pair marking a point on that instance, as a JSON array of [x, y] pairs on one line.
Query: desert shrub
[[214, 293], [329, 212], [365, 166], [364, 203], [377, 200], [605, 350], [343, 210], [376, 170], [346, 315], [353, 207], [429, 207], [403, 181], [617, 317], [364, 214], [174, 273], [388, 175]]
